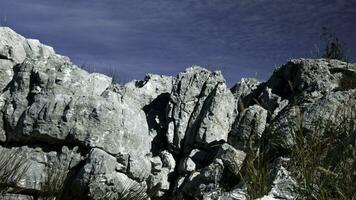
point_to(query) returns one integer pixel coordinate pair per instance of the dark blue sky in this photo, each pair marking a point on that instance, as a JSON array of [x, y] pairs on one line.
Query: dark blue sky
[[242, 38]]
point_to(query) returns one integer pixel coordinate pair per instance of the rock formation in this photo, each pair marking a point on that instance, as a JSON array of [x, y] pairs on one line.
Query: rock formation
[[184, 137]]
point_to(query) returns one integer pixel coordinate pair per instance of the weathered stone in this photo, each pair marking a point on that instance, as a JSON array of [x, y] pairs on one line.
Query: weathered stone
[[272, 102], [37, 164], [232, 158], [12, 45], [203, 181], [283, 185], [248, 128], [168, 160], [313, 118], [244, 87], [100, 175], [38, 50], [162, 136], [158, 184], [156, 164], [201, 157], [311, 78], [147, 90], [201, 109], [236, 194], [187, 165], [216, 123]]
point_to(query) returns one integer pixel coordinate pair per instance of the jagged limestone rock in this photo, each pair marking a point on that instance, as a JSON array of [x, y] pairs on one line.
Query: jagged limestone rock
[[187, 165], [16, 48], [103, 178], [248, 128], [200, 182], [328, 111], [38, 164], [12, 46], [236, 194], [312, 78], [244, 87], [147, 90], [201, 109], [233, 159], [158, 184], [283, 184], [272, 103], [168, 160], [176, 138]]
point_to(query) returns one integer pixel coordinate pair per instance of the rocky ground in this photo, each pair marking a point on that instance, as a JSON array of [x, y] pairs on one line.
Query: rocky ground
[[184, 137]]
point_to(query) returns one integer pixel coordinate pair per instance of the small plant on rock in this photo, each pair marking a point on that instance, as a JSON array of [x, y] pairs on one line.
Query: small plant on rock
[[13, 167], [334, 49], [257, 176]]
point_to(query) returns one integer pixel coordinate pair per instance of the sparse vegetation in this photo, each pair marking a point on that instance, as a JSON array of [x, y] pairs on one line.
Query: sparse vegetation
[[131, 191], [334, 48], [111, 71], [323, 160], [53, 186], [13, 167], [257, 175]]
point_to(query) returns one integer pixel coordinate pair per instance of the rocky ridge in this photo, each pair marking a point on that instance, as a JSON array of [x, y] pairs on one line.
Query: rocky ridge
[[184, 137]]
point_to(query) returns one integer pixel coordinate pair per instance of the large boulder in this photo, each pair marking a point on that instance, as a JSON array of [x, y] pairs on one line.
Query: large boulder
[[105, 177], [30, 169], [331, 110], [202, 109], [310, 78], [45, 99], [248, 128]]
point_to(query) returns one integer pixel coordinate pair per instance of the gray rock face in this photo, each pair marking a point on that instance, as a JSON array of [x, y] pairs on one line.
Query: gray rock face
[[202, 109], [38, 163], [179, 138], [243, 88], [12, 46], [327, 111], [248, 128], [201, 182], [308, 78], [283, 184], [46, 99], [106, 176], [232, 158]]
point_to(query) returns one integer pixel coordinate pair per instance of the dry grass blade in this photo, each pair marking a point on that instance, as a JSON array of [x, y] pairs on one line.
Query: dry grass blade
[[324, 160], [13, 166], [133, 191], [257, 177], [53, 186]]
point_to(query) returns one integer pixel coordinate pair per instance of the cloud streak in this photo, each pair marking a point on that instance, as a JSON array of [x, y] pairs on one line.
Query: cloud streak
[[166, 36]]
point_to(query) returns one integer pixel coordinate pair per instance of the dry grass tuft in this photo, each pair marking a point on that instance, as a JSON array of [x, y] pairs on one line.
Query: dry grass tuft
[[13, 166]]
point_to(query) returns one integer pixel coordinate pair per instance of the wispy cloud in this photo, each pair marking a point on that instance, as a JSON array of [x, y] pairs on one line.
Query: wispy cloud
[[164, 36]]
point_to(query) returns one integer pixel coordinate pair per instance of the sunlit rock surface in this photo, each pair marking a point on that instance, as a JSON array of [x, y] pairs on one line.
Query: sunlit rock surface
[[184, 137]]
